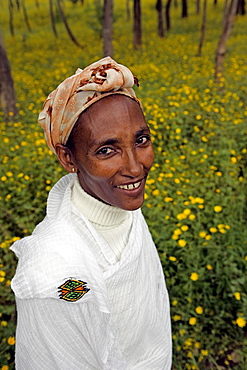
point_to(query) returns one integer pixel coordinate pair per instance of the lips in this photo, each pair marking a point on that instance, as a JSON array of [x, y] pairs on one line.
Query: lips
[[132, 186]]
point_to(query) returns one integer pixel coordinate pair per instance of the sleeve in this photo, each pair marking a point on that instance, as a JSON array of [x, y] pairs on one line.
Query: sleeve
[[56, 335]]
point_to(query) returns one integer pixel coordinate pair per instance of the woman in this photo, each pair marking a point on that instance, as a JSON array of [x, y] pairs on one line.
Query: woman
[[89, 286]]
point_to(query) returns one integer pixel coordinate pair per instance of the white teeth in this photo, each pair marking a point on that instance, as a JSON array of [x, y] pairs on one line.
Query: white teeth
[[130, 186]]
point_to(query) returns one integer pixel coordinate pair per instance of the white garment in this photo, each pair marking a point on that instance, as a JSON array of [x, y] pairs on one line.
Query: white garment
[[112, 223], [121, 323]]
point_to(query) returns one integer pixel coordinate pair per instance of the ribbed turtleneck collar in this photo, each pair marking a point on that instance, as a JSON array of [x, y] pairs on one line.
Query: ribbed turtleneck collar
[[96, 211]]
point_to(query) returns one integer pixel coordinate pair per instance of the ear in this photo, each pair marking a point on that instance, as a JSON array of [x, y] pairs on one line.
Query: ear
[[65, 157]]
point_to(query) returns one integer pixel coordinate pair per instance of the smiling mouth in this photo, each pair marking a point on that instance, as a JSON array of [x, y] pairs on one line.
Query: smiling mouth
[[130, 186]]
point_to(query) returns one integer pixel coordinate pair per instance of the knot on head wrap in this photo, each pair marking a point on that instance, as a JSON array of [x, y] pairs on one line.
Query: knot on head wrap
[[64, 105]]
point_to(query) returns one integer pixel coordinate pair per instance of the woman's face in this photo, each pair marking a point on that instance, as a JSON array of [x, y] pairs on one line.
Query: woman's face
[[113, 152]]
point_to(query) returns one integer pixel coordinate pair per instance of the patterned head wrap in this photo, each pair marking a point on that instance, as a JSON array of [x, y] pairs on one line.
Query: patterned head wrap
[[64, 105]]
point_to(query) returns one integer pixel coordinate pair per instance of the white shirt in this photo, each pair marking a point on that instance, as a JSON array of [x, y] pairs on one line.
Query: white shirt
[[121, 322]]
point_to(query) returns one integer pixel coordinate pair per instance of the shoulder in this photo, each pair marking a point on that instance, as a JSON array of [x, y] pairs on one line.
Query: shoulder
[[52, 255]]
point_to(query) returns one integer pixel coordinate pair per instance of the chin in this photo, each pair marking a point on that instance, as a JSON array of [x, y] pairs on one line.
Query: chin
[[132, 206]]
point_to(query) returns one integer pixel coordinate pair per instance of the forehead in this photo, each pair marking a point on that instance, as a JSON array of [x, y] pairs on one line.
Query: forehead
[[110, 117]]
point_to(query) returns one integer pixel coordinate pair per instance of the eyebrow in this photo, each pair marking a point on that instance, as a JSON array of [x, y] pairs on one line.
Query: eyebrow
[[116, 140]]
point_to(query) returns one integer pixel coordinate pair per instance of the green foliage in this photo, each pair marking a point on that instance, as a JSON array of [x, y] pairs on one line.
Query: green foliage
[[196, 192]]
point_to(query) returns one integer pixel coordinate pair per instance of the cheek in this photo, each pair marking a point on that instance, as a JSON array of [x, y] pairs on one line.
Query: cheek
[[99, 171], [149, 158]]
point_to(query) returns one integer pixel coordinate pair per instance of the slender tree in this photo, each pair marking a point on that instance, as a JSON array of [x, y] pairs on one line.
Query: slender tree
[[203, 28], [184, 9], [241, 7], [226, 32], [52, 18], [198, 6], [11, 17], [7, 92], [159, 8], [167, 15], [64, 20], [128, 10], [107, 29], [137, 29], [25, 15]]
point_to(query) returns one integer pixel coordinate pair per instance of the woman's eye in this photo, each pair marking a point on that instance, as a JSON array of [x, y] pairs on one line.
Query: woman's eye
[[105, 151], [143, 139]]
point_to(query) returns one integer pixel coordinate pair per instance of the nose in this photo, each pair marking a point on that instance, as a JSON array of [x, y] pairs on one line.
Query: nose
[[131, 164]]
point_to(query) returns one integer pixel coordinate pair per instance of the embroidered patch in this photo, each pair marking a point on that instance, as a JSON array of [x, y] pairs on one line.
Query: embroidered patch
[[72, 290]]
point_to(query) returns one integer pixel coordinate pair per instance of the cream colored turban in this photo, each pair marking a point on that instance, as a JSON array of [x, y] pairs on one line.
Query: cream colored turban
[[64, 105]]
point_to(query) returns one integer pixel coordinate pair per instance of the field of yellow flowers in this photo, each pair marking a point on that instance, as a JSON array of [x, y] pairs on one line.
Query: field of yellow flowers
[[196, 203]]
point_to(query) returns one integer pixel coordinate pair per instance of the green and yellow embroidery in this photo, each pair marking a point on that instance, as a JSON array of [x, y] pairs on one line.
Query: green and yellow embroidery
[[72, 290]]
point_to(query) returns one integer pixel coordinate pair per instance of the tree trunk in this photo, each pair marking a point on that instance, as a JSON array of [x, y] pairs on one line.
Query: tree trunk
[[167, 13], [159, 8], [184, 9], [241, 7], [52, 18], [107, 28], [198, 6], [203, 28], [7, 92], [137, 23], [11, 24], [25, 15], [128, 10], [227, 29], [72, 37]]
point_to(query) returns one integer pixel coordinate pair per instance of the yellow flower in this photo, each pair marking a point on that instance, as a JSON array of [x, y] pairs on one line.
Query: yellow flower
[[4, 323], [171, 258], [192, 321], [199, 310], [192, 217], [209, 267], [237, 296], [197, 345], [176, 317], [222, 231], [5, 367], [204, 352], [11, 341], [177, 232], [217, 209], [194, 276], [182, 242], [202, 234], [181, 216], [184, 228], [168, 199], [174, 302], [187, 211], [213, 230], [241, 322], [156, 192]]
